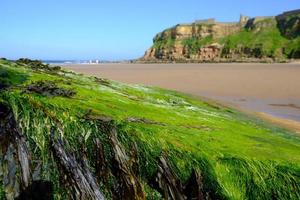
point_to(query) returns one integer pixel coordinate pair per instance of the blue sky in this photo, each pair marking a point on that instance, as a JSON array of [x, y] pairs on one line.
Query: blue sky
[[112, 30]]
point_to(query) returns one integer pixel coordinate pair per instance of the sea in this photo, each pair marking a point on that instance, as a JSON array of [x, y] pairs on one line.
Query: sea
[[69, 62], [65, 62]]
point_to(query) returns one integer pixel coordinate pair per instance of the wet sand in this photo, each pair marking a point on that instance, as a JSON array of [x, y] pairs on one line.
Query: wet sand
[[273, 89]]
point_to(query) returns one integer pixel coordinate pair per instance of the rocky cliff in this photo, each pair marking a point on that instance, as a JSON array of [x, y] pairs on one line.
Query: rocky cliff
[[260, 38]]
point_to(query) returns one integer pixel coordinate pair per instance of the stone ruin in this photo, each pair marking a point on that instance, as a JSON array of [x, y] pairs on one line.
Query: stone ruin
[[206, 21]]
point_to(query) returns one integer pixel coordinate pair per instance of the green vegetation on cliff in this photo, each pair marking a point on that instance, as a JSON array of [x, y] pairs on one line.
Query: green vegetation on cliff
[[238, 156], [167, 42], [266, 42], [293, 48], [289, 24], [194, 44]]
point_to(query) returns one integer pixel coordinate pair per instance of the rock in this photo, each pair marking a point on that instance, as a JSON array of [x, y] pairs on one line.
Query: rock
[[194, 189], [38, 190], [180, 32], [209, 52], [37, 65], [16, 169], [49, 89], [167, 181], [144, 121], [172, 188], [102, 81], [128, 186], [78, 178], [101, 164]]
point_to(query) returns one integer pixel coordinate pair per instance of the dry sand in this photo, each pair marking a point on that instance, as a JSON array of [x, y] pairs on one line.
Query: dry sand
[[273, 89]]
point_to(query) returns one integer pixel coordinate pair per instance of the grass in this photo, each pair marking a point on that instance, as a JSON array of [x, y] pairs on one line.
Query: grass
[[165, 43], [194, 43], [269, 41], [241, 157], [293, 48]]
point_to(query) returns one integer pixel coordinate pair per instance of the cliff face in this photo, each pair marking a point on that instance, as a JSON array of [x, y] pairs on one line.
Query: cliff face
[[250, 38], [183, 31], [176, 43]]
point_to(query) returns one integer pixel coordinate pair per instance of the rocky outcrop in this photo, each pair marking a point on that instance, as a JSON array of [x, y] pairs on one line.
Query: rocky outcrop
[[78, 177], [289, 23], [14, 155], [208, 52], [208, 40], [199, 29], [129, 185], [169, 184], [179, 52]]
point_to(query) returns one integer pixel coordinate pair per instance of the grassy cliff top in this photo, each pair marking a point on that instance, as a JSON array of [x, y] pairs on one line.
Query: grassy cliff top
[[240, 157]]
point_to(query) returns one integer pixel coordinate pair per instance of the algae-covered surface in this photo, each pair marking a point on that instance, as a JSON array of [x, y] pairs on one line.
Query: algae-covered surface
[[239, 156]]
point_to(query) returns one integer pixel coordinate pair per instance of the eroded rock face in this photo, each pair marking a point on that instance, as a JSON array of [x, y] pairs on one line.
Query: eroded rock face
[[14, 155], [172, 188], [78, 178], [194, 188], [181, 32], [38, 190], [209, 52], [101, 163], [167, 181], [178, 52], [129, 185], [199, 30]]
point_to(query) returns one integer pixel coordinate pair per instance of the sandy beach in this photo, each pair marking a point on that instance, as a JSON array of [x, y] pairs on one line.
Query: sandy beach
[[271, 89]]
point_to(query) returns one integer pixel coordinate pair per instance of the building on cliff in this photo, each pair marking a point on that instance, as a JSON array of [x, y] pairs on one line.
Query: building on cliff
[[244, 19], [206, 21]]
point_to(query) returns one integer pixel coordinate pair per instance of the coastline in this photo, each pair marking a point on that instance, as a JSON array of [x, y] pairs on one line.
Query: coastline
[[285, 123], [141, 61], [217, 61], [255, 87], [288, 124]]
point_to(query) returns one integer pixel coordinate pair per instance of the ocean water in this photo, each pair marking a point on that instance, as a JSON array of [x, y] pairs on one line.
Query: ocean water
[[65, 62], [76, 62]]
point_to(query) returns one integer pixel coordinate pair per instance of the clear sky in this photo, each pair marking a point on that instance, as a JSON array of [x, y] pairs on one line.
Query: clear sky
[[110, 29]]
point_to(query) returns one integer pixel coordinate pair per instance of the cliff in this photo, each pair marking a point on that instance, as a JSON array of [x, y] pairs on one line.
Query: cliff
[[260, 38], [67, 136]]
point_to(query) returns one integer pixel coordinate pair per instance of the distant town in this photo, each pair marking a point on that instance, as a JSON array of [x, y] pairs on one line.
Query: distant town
[[91, 62]]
